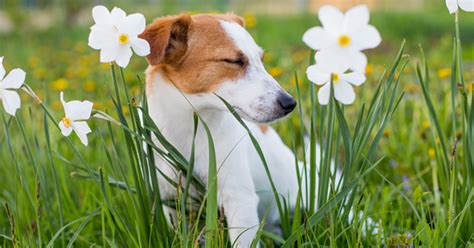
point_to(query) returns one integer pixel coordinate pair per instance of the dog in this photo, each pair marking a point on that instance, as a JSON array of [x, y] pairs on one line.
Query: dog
[[193, 60]]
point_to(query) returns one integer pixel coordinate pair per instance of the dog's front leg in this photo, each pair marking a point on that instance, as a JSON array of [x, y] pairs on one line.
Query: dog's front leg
[[239, 201]]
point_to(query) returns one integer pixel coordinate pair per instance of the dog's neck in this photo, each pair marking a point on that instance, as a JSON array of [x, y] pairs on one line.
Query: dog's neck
[[173, 111]]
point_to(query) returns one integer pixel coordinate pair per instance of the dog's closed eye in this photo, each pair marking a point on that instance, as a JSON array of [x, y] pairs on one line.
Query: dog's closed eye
[[238, 61]]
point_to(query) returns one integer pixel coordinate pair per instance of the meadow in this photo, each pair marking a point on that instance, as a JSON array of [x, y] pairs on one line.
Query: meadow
[[404, 145]]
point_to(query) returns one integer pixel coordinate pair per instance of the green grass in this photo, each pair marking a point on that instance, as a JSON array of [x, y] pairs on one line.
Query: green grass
[[405, 147]]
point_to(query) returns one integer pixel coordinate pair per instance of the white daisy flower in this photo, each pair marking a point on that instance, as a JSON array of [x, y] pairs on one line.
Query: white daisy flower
[[8, 86], [342, 80], [454, 5], [76, 115], [343, 36], [115, 34]]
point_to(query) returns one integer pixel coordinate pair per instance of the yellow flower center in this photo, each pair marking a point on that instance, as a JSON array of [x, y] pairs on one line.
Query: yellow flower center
[[335, 77], [344, 40], [123, 39], [67, 122]]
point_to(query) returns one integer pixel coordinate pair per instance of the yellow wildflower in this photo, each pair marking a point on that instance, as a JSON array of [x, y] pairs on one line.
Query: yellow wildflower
[[267, 57], [57, 105], [431, 153], [293, 82], [411, 88], [130, 77], [83, 72], [39, 73], [426, 125], [125, 110], [250, 20], [99, 106], [89, 86], [105, 66], [386, 132], [444, 73], [34, 61], [275, 71], [59, 84], [469, 87], [369, 69]]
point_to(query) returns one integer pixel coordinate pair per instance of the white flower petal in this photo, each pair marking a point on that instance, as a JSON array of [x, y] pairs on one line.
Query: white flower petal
[[333, 60], [118, 18], [135, 24], [11, 101], [466, 5], [65, 131], [2, 69], [324, 93], [101, 36], [318, 75], [331, 18], [344, 93], [356, 18], [317, 38], [355, 78], [109, 53], [140, 46], [357, 61], [82, 129], [366, 38], [452, 6], [123, 56], [77, 110], [101, 15], [14, 79]]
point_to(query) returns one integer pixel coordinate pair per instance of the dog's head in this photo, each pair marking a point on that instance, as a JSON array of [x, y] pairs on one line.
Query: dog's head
[[212, 54]]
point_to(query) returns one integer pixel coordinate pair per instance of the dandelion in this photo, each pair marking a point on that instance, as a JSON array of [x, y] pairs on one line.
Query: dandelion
[[59, 84], [335, 73], [8, 86], [343, 36], [469, 87], [454, 5], [369, 69], [75, 118], [275, 71], [411, 88], [431, 153], [39, 73], [444, 73], [115, 34], [426, 125], [89, 86], [250, 20]]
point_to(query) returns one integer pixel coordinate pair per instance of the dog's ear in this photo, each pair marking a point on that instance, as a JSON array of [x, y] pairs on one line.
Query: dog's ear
[[168, 39]]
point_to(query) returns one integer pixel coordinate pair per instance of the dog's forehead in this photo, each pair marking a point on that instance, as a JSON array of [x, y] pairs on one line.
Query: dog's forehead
[[242, 39]]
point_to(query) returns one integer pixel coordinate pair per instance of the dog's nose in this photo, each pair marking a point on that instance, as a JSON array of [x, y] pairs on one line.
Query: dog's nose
[[286, 102]]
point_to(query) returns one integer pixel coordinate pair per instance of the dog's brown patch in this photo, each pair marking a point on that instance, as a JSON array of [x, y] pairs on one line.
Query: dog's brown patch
[[191, 51], [263, 128]]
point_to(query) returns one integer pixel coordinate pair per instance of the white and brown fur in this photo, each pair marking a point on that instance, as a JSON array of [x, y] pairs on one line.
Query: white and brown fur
[[192, 59]]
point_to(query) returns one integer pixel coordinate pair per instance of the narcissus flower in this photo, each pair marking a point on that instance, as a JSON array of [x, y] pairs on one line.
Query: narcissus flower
[[76, 115], [333, 71], [115, 34], [454, 5], [9, 84], [343, 36]]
